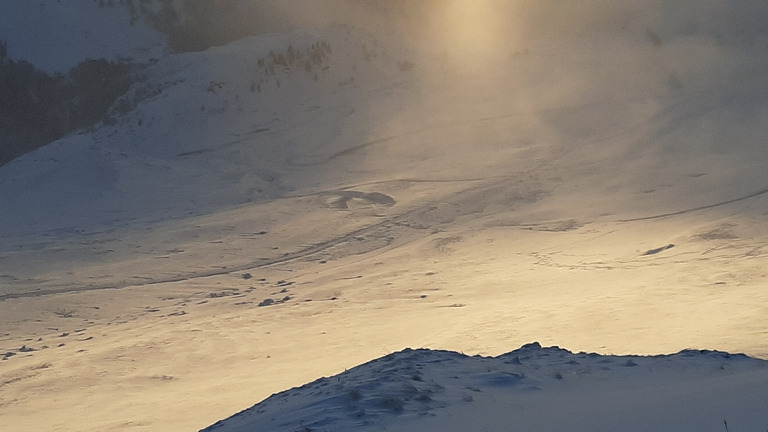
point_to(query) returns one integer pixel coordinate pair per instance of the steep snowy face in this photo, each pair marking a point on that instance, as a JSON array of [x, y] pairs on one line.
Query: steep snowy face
[[55, 36]]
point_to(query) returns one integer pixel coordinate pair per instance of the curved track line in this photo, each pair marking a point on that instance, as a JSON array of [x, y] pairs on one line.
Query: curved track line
[[746, 197], [225, 270], [321, 160]]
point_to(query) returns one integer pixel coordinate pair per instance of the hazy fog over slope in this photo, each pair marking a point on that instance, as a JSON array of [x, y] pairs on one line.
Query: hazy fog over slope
[[633, 62]]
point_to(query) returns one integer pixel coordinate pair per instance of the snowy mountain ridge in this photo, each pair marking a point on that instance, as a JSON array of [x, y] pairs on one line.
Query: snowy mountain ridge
[[531, 388]]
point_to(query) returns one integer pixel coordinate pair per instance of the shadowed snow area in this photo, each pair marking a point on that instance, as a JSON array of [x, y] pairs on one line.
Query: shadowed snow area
[[369, 176]]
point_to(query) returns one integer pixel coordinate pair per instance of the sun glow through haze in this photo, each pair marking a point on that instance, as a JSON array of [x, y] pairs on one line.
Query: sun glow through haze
[[473, 30], [474, 23]]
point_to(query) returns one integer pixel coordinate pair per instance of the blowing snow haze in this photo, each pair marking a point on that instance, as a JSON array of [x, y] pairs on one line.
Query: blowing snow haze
[[192, 191]]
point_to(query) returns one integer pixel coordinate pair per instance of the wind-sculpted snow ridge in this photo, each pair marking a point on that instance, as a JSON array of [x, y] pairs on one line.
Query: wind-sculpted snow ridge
[[531, 388]]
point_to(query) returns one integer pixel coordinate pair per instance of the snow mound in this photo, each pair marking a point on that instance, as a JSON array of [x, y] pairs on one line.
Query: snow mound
[[531, 388]]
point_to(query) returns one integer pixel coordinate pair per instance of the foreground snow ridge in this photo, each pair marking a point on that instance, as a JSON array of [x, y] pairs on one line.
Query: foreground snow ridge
[[531, 388]]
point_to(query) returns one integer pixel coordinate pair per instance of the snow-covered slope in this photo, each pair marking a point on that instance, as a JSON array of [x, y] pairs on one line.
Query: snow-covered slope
[[281, 208], [55, 36], [204, 131], [531, 388]]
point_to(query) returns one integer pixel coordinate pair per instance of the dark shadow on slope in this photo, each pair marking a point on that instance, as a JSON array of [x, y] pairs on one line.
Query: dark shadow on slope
[[37, 108]]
